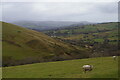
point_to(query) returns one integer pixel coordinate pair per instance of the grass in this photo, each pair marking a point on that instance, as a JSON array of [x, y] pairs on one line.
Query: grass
[[96, 32], [104, 67], [99, 40], [0, 72], [22, 45]]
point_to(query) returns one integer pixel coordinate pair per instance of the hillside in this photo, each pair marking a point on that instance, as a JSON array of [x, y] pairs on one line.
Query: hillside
[[104, 67], [85, 29], [102, 39], [24, 46]]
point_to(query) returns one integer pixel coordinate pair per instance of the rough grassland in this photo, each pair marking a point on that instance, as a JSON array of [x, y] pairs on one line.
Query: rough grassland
[[25, 46], [104, 67]]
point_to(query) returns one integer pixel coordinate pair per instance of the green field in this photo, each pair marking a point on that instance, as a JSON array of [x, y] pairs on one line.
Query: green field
[[102, 37], [104, 67], [96, 32]]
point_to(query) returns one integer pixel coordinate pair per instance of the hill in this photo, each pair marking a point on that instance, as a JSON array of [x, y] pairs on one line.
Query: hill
[[25, 46], [102, 39], [104, 67], [85, 29], [48, 25]]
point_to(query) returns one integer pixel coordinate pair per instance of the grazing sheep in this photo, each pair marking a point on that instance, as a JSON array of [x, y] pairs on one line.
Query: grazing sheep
[[87, 68], [114, 57]]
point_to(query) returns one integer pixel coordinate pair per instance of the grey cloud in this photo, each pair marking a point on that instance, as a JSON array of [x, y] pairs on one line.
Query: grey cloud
[[66, 11], [110, 7]]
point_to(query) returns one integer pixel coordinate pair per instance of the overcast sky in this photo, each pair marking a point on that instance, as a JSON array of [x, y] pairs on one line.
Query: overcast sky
[[60, 11]]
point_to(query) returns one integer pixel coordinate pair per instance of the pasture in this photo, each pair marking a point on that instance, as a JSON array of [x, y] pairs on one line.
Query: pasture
[[104, 67]]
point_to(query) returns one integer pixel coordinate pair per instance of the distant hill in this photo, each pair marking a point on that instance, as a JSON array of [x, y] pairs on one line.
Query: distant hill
[[24, 46], [101, 38], [77, 29], [47, 25]]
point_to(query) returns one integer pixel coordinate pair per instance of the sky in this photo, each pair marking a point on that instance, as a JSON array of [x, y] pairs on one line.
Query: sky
[[59, 11]]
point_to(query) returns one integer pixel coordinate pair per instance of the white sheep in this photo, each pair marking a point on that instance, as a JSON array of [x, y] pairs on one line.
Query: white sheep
[[87, 68], [114, 57]]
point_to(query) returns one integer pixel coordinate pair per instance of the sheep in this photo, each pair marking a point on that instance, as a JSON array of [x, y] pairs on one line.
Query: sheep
[[87, 68], [114, 57]]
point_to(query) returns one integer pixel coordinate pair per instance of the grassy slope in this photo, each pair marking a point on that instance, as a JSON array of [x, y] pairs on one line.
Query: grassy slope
[[104, 67], [28, 45], [0, 72], [108, 30], [111, 34], [95, 35]]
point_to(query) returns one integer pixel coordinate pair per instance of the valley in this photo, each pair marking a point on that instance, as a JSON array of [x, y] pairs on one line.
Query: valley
[[102, 39]]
